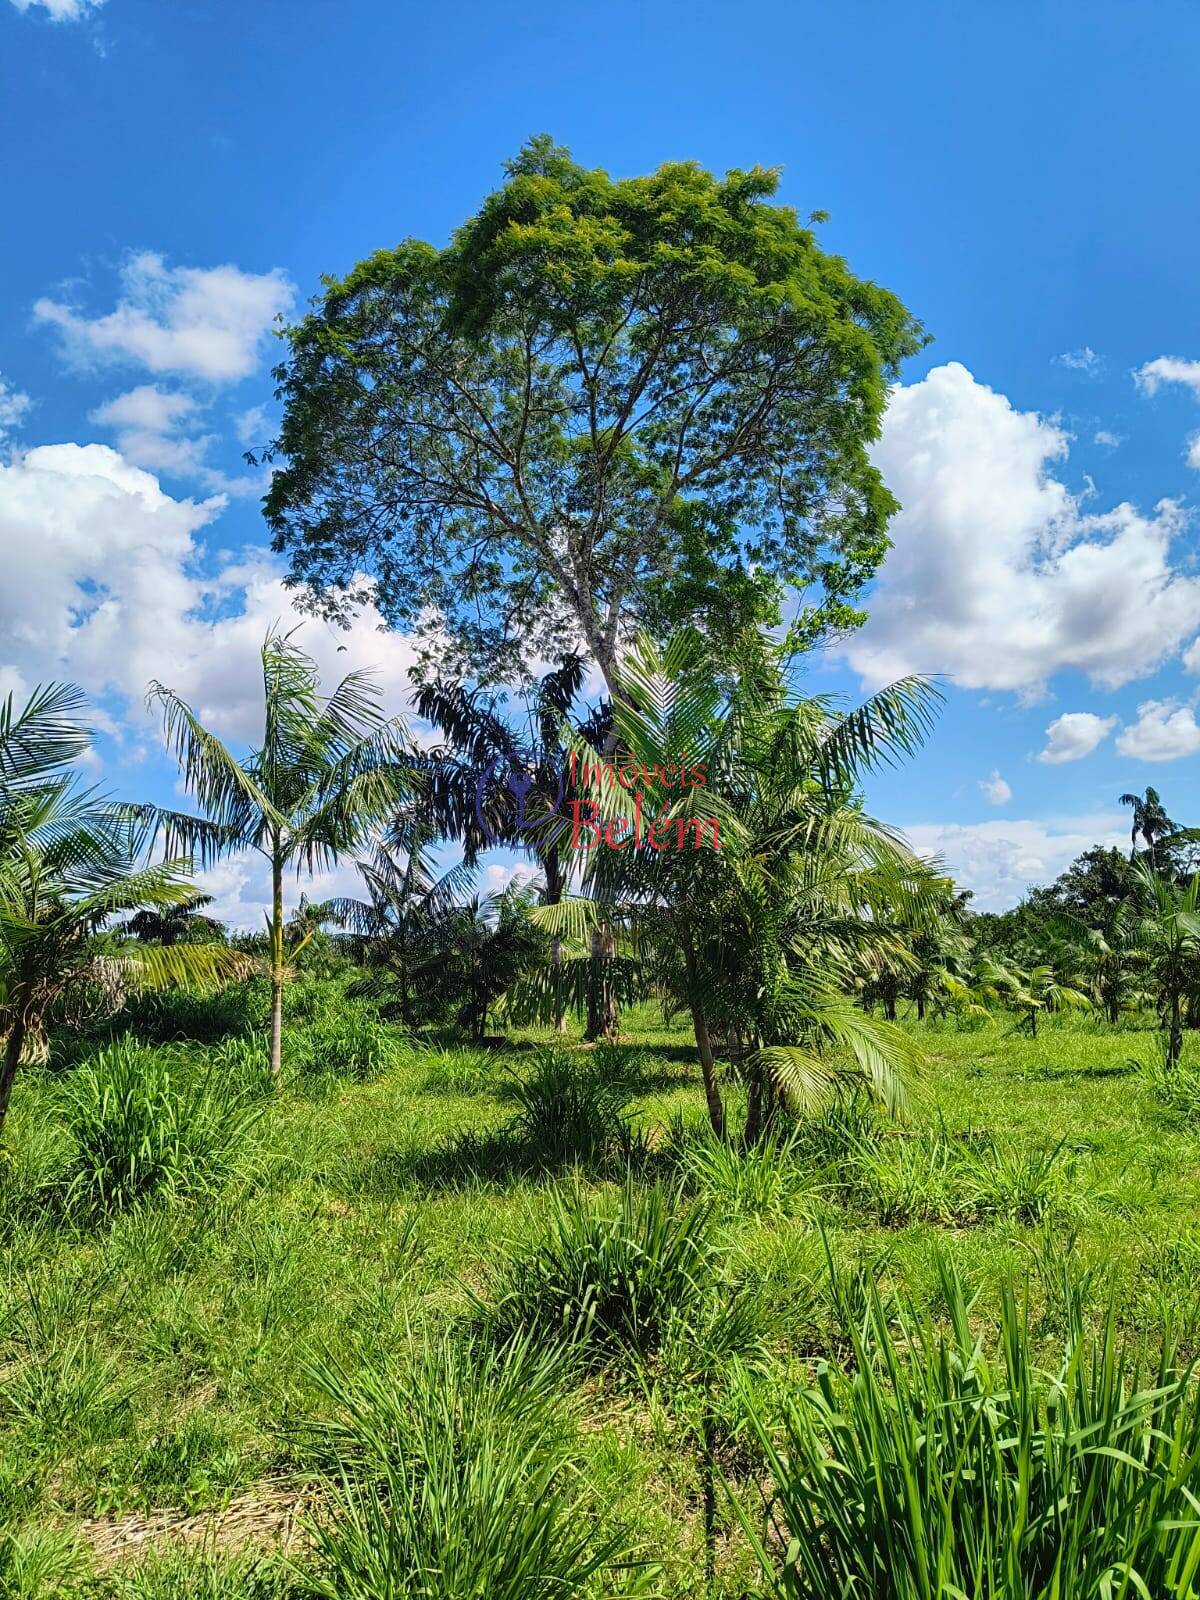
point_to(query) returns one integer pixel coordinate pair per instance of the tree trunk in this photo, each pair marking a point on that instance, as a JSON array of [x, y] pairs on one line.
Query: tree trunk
[[276, 961], [553, 897], [1175, 1037], [704, 1049], [602, 1017], [889, 1007], [12, 1058], [920, 1008]]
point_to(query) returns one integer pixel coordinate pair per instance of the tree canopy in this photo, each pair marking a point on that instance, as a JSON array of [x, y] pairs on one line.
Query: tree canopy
[[606, 404]]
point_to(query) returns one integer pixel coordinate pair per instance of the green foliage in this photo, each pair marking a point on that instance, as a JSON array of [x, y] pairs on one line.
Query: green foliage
[[573, 1108], [145, 1128], [455, 1476], [766, 1179], [604, 402], [934, 1468], [352, 1043], [609, 1281]]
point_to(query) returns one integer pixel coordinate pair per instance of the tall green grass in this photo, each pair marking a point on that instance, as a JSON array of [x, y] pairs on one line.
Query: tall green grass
[[455, 1476], [931, 1470], [142, 1126]]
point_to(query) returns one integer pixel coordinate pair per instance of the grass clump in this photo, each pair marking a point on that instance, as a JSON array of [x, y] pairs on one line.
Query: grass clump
[[142, 1127], [766, 1180], [456, 1476], [611, 1279], [933, 1468]]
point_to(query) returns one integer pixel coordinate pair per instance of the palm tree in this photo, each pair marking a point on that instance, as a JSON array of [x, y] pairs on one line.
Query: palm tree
[[328, 772], [1163, 921], [176, 924], [1150, 820], [1042, 989], [68, 862], [480, 740], [402, 929], [764, 935]]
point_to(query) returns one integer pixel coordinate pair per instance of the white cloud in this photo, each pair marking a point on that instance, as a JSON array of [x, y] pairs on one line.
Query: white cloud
[[205, 323], [1074, 735], [997, 576], [13, 406], [1082, 360], [104, 585], [1191, 657], [1168, 369], [251, 426], [1193, 452], [999, 860], [1164, 731], [154, 430], [1105, 436], [995, 790], [60, 10]]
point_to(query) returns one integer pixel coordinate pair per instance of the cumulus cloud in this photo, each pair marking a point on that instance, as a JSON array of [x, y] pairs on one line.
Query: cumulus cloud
[[206, 323], [1082, 360], [13, 406], [995, 790], [105, 584], [1106, 437], [999, 860], [1164, 731], [1074, 735], [60, 10], [1168, 369], [997, 575], [157, 429]]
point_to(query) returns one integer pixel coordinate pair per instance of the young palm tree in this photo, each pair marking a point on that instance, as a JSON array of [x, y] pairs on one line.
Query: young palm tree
[[1150, 820], [764, 935], [1162, 920], [68, 862], [328, 772]]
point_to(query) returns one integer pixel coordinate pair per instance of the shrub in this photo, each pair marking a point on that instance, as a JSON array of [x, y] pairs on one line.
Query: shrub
[[142, 1127], [615, 1280], [571, 1108], [203, 1016], [930, 1469], [456, 1476]]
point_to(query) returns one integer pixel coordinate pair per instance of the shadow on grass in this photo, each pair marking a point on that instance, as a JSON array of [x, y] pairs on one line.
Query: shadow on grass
[[1058, 1074]]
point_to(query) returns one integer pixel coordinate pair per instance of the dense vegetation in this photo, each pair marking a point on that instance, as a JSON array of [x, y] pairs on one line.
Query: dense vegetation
[[724, 1208]]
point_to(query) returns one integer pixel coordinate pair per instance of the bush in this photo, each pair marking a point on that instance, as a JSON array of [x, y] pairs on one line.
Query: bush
[[929, 1469], [572, 1108], [615, 1280], [143, 1127], [456, 1476], [172, 1015]]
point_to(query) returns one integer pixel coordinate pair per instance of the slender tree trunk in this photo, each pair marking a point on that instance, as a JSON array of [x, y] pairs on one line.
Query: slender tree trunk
[[889, 1007], [704, 1049], [13, 1046], [1032, 1023], [1175, 1038], [276, 960], [920, 1008], [553, 897]]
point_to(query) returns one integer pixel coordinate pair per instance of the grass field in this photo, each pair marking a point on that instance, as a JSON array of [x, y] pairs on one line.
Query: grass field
[[192, 1331]]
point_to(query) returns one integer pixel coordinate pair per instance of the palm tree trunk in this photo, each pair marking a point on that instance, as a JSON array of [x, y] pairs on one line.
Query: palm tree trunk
[[602, 1017], [1175, 1038], [13, 1046], [553, 897], [704, 1049], [276, 960]]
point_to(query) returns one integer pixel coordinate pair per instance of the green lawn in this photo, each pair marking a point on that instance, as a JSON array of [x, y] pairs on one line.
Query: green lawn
[[163, 1358]]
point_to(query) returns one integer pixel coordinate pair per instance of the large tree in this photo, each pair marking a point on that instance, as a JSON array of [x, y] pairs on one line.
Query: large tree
[[605, 404]]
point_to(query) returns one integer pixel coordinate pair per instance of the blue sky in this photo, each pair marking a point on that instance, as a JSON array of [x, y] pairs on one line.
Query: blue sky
[[1025, 178]]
